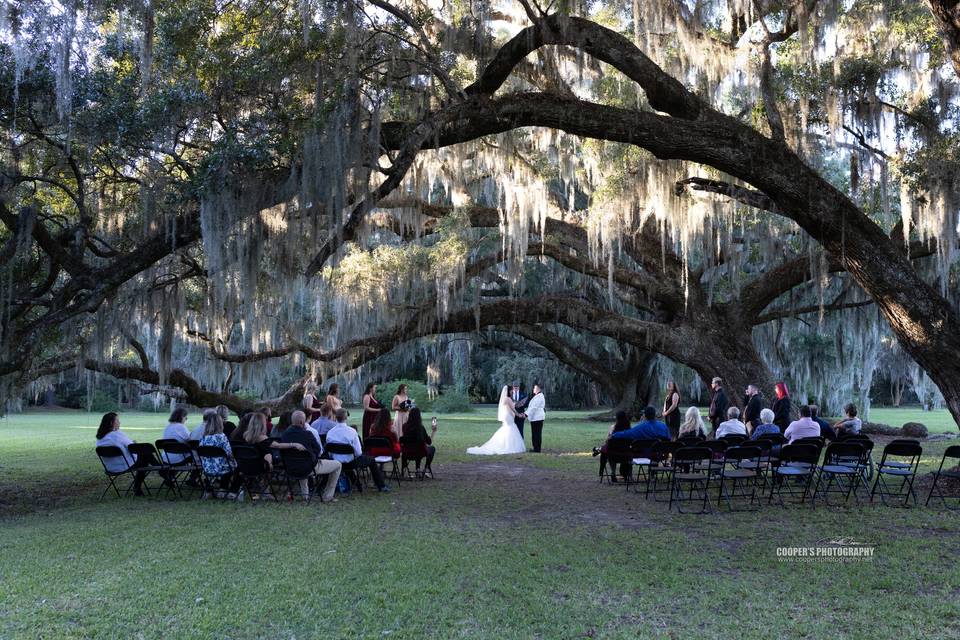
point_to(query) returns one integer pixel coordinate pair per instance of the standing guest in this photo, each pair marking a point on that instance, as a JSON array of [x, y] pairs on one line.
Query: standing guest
[[400, 404], [671, 409], [256, 435], [371, 408], [383, 428], [109, 435], [535, 414], [325, 422], [851, 424], [802, 428], [343, 433], [621, 423], [825, 429], [311, 403], [213, 436], [692, 424], [751, 413], [176, 430], [333, 397], [421, 442], [732, 425], [718, 404], [766, 426], [781, 406], [297, 434]]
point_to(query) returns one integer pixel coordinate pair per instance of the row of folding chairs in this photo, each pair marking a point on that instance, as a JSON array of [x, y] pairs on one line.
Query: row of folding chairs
[[682, 471]]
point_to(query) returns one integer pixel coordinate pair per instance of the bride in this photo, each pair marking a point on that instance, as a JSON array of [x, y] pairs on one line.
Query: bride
[[507, 439]]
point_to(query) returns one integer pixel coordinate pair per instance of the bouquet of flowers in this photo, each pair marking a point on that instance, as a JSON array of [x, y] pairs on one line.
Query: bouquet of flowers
[[408, 404]]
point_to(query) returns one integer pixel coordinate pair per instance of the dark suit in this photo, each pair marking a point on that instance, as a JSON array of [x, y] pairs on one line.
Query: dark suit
[[718, 408], [519, 404], [751, 413]]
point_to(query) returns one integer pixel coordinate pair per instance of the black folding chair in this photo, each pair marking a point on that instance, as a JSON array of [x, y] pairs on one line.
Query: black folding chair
[[733, 439], [379, 442], [357, 475], [691, 470], [795, 471], [208, 479], [106, 453], [661, 468], [178, 460], [718, 450], [619, 454], [299, 466], [899, 463], [953, 453], [411, 450], [690, 441], [146, 451], [641, 452], [255, 475], [844, 465], [741, 467]]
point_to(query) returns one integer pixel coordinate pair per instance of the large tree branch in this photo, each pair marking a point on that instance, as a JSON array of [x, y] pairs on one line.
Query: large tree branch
[[947, 13]]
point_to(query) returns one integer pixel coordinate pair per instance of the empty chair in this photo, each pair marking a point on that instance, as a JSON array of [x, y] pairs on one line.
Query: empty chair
[[642, 450], [844, 467], [953, 454], [691, 475], [661, 467], [896, 471], [795, 471], [740, 467]]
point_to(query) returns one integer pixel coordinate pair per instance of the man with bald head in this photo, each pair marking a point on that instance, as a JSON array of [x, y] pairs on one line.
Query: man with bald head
[[298, 433]]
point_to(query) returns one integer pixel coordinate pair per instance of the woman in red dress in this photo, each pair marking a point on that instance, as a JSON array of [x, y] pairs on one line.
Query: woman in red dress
[[383, 428], [371, 408]]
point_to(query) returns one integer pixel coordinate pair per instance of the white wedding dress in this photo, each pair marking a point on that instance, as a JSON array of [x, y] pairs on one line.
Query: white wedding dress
[[507, 439]]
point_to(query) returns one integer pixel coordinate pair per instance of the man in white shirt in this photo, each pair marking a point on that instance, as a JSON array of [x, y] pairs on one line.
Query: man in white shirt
[[344, 434], [535, 414], [805, 427], [732, 426]]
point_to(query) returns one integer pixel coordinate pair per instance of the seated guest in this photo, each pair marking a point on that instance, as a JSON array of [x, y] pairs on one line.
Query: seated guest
[[109, 435], [802, 428], [224, 413], [692, 424], [414, 430], [309, 429], [213, 436], [343, 433], [197, 433], [732, 425], [325, 421], [383, 428], [283, 423], [766, 426], [825, 429], [621, 423], [256, 435], [237, 434], [176, 430], [851, 424], [268, 414], [297, 433], [647, 429]]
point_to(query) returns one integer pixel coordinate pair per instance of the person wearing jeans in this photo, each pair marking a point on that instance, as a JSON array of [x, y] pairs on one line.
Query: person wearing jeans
[[343, 433]]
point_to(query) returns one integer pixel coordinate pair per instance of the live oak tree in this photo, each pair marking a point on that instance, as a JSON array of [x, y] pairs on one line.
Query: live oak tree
[[301, 191]]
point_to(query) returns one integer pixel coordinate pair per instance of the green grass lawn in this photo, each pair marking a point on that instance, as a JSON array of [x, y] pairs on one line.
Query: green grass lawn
[[524, 546]]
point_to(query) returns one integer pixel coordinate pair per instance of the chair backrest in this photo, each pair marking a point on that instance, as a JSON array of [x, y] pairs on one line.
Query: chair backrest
[[298, 464], [903, 448], [249, 460], [376, 442], [142, 449], [210, 451], [663, 449], [775, 438], [814, 440], [619, 447], [110, 452], [806, 453], [643, 448], [340, 448], [740, 453], [171, 447], [690, 455], [716, 446], [690, 440], [844, 451], [952, 451], [733, 438]]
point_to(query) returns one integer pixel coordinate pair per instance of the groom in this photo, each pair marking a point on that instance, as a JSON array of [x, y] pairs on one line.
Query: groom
[[519, 404]]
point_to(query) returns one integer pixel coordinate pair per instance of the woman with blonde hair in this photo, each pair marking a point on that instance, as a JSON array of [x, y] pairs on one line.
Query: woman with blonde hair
[[333, 397], [256, 435], [692, 424], [311, 404]]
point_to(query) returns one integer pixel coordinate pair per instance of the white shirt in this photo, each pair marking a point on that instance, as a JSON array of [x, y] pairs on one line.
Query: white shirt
[[535, 407], [733, 426], [197, 434], [344, 434], [117, 439], [176, 431]]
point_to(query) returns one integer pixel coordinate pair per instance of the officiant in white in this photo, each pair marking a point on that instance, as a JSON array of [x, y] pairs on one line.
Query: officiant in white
[[535, 414]]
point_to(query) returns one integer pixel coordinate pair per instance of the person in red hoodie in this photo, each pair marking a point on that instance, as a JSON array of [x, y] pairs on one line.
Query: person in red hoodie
[[383, 428]]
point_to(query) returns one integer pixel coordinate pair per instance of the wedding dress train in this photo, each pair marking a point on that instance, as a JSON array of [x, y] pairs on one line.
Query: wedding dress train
[[507, 438]]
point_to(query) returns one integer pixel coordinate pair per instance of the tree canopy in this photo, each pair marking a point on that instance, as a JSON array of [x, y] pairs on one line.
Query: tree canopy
[[208, 196]]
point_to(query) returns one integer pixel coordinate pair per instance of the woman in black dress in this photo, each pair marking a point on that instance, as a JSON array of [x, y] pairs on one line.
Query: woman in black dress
[[781, 407], [671, 409]]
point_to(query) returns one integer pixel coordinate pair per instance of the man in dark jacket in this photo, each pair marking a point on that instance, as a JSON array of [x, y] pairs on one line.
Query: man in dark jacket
[[718, 403], [751, 414]]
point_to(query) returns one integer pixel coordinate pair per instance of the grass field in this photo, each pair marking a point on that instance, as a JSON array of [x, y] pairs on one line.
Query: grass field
[[526, 546]]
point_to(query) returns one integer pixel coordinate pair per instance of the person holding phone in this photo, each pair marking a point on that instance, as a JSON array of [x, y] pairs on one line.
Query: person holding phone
[[419, 442]]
